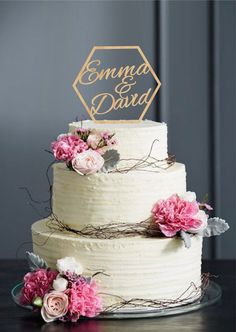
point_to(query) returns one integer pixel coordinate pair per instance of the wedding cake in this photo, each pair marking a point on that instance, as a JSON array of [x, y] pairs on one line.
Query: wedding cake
[[124, 236], [139, 266]]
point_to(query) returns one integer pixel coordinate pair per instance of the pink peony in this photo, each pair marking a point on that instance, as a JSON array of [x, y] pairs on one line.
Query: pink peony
[[88, 162], [36, 284], [66, 147], [55, 305], [175, 214], [83, 300]]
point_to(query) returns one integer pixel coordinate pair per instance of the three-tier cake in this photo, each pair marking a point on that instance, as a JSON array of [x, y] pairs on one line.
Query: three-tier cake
[[131, 265]]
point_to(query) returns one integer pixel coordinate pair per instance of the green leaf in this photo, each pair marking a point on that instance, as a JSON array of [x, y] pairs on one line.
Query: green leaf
[[35, 262], [111, 159], [215, 226], [186, 238]]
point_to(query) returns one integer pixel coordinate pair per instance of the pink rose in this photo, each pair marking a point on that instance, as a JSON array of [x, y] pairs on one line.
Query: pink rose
[[175, 214], [55, 305], [36, 284], [93, 140], [66, 147], [88, 162]]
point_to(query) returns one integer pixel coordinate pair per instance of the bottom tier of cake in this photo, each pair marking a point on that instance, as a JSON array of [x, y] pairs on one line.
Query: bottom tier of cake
[[133, 267]]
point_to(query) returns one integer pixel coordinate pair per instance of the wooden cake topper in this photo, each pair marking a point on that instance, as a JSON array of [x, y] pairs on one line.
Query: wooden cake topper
[[116, 84]]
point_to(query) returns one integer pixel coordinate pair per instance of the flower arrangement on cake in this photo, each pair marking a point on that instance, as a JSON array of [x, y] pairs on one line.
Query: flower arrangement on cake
[[64, 294], [183, 216], [86, 151], [67, 295]]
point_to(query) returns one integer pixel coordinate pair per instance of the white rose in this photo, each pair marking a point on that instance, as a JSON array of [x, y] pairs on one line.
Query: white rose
[[93, 140], [189, 196], [60, 284], [87, 162], [69, 264], [201, 215]]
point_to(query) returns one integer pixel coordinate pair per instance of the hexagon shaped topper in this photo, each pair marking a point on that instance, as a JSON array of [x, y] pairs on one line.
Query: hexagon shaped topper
[[116, 84]]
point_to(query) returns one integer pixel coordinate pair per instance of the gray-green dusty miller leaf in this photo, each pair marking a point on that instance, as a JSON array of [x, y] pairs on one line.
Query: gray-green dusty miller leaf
[[215, 226], [35, 262], [186, 237], [111, 158]]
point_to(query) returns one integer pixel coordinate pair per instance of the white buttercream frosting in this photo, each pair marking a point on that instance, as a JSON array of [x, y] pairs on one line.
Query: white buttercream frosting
[[116, 197], [137, 267]]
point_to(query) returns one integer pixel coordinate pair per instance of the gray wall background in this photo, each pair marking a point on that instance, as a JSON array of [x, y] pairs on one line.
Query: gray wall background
[[42, 47], [198, 72]]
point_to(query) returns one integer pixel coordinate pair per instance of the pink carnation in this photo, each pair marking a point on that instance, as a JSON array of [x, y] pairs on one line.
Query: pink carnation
[[83, 300], [175, 214], [36, 284], [66, 147]]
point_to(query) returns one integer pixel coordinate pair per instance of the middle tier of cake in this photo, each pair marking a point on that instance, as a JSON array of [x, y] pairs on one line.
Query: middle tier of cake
[[115, 197]]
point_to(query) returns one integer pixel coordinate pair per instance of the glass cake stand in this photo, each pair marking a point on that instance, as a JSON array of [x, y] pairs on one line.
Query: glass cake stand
[[212, 295]]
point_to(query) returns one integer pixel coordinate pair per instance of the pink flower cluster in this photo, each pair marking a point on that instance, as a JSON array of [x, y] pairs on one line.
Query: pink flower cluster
[[83, 300], [36, 284], [61, 295], [175, 214], [71, 148], [66, 147], [109, 139]]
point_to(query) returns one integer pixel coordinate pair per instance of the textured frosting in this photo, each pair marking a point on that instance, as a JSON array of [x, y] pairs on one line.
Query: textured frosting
[[115, 197], [137, 267], [134, 139]]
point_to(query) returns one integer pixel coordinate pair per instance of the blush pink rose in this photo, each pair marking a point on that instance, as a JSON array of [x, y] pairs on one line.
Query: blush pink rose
[[175, 214], [87, 162], [94, 140], [83, 300], [66, 147], [36, 284], [55, 305]]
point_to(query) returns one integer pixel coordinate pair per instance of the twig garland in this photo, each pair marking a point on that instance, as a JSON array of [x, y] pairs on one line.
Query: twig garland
[[108, 231], [192, 294], [147, 164]]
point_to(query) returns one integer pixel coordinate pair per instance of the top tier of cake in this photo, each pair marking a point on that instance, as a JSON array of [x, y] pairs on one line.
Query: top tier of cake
[[135, 139]]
